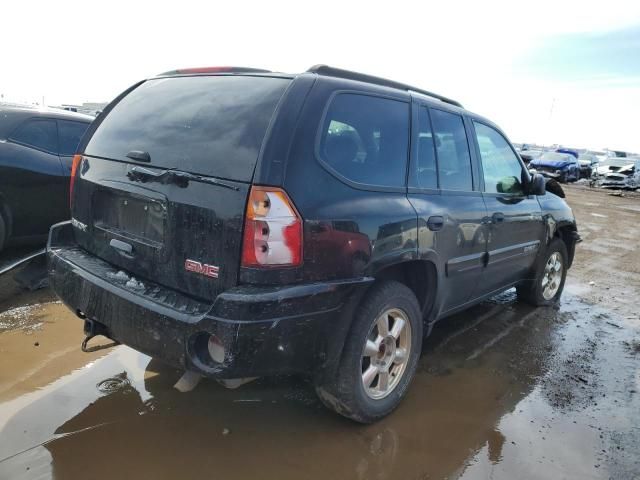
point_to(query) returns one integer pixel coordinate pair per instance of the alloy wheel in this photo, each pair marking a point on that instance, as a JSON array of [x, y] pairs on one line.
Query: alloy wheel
[[552, 276], [386, 352]]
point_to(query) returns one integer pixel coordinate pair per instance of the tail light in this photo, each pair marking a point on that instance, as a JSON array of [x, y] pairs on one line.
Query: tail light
[[74, 169], [272, 230]]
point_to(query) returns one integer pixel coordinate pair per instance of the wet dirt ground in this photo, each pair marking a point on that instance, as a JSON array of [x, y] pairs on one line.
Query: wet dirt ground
[[503, 391]]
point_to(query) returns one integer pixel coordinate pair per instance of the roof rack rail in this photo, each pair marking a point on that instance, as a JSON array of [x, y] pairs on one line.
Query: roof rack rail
[[363, 77], [201, 70]]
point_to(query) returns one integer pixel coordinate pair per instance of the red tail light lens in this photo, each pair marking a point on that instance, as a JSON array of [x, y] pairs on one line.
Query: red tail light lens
[[272, 230], [74, 169]]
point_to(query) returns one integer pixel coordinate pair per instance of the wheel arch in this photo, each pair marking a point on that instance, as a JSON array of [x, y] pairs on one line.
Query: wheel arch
[[568, 233], [421, 276]]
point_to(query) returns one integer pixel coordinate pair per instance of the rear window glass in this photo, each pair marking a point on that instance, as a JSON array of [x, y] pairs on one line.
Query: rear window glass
[[70, 134], [365, 139], [41, 134], [211, 125]]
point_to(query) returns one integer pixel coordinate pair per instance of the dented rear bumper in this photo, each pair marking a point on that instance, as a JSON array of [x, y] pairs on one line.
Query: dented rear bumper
[[264, 330]]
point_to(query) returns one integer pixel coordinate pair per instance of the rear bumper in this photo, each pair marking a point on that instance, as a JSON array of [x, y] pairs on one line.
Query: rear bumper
[[264, 330]]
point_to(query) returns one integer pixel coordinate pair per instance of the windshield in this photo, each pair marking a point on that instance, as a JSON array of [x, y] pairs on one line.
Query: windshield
[[211, 125], [616, 162], [556, 157]]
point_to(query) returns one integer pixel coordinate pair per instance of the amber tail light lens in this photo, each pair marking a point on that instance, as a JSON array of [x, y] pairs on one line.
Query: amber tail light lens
[[74, 170], [272, 230]]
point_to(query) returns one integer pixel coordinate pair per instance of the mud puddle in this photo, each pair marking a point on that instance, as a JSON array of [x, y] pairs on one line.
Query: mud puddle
[[39, 342], [503, 390]]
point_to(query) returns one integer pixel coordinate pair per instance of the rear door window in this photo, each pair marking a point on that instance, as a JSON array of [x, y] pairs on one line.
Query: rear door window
[[211, 125], [454, 159], [365, 139], [69, 134], [38, 133]]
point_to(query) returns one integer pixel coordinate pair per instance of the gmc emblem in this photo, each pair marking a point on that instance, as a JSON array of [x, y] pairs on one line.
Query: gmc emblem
[[201, 268]]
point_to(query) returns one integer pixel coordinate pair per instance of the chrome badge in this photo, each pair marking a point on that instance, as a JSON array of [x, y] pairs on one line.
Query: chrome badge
[[201, 268]]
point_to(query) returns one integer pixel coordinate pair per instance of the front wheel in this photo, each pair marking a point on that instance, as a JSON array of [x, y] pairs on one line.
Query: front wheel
[[551, 273], [380, 355]]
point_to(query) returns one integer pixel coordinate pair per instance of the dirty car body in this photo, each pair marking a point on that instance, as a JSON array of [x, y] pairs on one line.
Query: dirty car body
[[240, 237]]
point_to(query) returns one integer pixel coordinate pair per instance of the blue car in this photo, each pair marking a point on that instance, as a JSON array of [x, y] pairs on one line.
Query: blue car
[[562, 167]]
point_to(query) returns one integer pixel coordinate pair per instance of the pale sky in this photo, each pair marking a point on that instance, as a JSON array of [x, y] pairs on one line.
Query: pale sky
[[546, 71]]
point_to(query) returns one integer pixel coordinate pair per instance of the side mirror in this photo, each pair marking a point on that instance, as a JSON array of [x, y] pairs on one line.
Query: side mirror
[[537, 185]]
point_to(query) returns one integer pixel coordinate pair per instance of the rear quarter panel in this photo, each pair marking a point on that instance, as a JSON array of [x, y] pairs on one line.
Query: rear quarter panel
[[348, 231]]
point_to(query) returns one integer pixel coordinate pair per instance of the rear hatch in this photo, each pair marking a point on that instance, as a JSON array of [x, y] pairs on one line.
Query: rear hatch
[[162, 187]]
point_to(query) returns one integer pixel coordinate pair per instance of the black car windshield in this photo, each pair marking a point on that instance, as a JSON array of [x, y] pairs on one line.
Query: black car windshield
[[209, 125]]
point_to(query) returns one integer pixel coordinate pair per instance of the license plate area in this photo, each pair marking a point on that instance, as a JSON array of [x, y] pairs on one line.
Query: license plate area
[[130, 216]]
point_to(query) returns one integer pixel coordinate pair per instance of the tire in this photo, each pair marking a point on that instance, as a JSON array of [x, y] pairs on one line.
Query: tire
[[536, 291], [345, 392], [563, 178]]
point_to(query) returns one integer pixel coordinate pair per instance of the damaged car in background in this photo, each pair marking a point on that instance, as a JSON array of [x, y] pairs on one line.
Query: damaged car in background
[[560, 166], [619, 173], [588, 164], [528, 155]]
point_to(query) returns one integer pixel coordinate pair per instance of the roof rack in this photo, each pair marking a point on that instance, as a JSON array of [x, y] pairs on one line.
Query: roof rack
[[204, 70], [363, 77]]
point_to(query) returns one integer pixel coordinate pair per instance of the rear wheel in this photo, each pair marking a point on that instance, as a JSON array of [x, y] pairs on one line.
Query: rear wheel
[[551, 273], [380, 355]]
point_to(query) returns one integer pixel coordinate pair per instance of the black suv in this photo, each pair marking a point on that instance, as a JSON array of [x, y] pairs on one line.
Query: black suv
[[240, 223]]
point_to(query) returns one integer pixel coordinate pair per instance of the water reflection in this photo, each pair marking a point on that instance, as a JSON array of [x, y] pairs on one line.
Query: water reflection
[[340, 247], [122, 416]]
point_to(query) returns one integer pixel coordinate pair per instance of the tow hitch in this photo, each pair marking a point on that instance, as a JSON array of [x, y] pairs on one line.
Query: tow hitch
[[93, 329]]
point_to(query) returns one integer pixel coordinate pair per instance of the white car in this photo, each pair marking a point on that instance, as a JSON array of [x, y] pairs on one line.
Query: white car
[[619, 173]]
